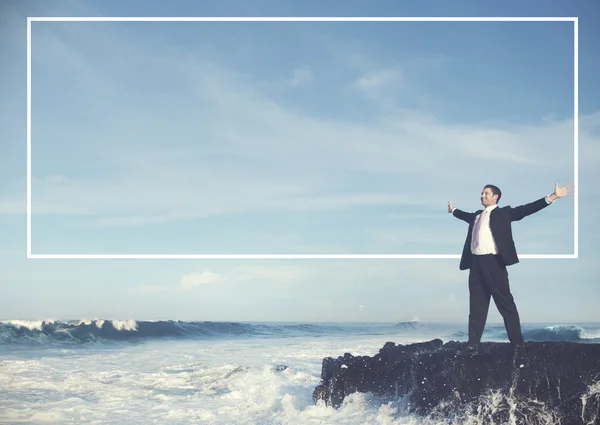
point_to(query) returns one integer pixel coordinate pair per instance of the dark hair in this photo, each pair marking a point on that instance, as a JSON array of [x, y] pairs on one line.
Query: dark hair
[[495, 190]]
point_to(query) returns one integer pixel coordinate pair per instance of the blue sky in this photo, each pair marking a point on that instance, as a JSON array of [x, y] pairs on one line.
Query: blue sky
[[290, 138]]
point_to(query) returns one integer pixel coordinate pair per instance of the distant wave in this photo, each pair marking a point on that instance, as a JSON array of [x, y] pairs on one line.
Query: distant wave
[[566, 333], [411, 324], [90, 331], [563, 333]]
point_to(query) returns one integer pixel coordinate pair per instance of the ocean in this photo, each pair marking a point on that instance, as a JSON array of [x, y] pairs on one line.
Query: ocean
[[174, 372]]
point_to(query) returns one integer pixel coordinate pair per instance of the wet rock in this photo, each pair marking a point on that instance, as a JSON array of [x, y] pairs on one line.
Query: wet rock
[[562, 379]]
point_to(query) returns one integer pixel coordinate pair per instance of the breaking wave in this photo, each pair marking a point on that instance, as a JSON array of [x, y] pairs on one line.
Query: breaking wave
[[97, 331], [87, 331], [563, 333]]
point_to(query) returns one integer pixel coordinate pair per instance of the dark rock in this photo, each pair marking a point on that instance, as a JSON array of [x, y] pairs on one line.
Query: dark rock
[[555, 382]]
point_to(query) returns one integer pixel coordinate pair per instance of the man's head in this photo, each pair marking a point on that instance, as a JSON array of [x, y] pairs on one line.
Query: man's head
[[490, 195]]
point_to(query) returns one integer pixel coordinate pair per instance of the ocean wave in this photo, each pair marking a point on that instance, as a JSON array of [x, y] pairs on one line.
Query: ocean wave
[[98, 331], [565, 333], [411, 324], [85, 331], [569, 333], [95, 331]]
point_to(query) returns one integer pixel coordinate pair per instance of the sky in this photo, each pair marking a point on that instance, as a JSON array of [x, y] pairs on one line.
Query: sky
[[292, 138]]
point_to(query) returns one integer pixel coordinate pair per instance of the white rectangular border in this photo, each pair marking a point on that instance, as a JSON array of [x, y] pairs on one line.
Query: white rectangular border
[[575, 21]]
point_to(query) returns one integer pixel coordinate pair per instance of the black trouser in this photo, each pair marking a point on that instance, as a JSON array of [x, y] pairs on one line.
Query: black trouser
[[488, 277]]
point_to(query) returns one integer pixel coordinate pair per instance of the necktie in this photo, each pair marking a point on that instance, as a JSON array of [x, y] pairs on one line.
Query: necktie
[[476, 231]]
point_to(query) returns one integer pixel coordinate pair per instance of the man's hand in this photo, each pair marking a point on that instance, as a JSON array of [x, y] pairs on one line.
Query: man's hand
[[560, 192], [450, 207]]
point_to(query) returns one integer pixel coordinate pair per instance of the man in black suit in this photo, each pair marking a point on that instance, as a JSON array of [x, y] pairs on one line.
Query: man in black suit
[[488, 250]]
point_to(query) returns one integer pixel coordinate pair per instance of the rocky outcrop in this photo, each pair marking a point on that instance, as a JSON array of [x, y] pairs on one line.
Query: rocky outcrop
[[540, 382]]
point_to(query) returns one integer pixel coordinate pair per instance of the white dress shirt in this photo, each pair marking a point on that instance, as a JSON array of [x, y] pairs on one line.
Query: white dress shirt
[[486, 245]]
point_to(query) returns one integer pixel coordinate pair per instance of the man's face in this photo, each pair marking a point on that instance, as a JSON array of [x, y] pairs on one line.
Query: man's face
[[488, 198]]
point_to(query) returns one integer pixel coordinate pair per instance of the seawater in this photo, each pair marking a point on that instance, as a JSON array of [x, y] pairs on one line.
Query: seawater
[[210, 373]]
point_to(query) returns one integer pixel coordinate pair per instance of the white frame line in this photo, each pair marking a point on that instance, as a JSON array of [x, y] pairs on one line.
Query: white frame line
[[575, 21], [29, 254], [576, 137], [282, 256], [301, 19]]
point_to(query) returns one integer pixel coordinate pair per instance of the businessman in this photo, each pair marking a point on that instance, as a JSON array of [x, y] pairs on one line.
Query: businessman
[[489, 248]]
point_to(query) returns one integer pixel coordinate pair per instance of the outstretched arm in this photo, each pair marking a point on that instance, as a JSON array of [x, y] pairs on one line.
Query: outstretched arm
[[464, 216], [523, 211]]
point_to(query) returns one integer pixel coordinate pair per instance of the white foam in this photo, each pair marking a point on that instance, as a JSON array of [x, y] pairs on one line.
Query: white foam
[[32, 325], [590, 404], [125, 325], [590, 333], [222, 382], [48, 417], [217, 382]]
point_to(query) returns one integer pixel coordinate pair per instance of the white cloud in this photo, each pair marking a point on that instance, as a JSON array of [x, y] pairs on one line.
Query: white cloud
[[191, 281], [51, 48], [40, 207], [58, 179], [375, 82], [137, 220], [13, 207], [320, 203], [279, 274], [248, 275], [295, 243], [302, 77]]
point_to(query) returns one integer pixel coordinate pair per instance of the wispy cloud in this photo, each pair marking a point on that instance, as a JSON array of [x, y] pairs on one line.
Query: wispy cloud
[[278, 274], [55, 179], [37, 207], [248, 275], [395, 238], [337, 273], [191, 281], [302, 77], [260, 154], [375, 83]]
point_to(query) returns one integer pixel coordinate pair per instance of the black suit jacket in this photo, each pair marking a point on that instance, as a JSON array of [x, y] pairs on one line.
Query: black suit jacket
[[500, 225]]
